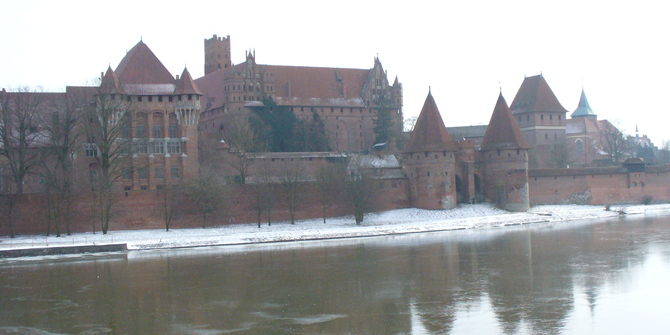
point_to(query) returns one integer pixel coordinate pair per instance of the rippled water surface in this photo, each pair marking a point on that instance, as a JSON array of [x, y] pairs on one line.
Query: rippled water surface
[[605, 277]]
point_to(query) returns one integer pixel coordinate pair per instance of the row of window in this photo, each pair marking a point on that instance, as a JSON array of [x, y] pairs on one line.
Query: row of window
[[247, 88], [143, 173], [140, 131], [151, 98], [551, 117], [141, 147]]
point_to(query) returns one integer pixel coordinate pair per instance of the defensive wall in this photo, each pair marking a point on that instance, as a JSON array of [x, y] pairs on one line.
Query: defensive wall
[[141, 209], [629, 183]]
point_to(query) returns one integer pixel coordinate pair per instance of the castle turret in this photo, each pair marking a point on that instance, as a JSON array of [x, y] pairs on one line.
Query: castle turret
[[504, 157], [187, 111], [431, 161]]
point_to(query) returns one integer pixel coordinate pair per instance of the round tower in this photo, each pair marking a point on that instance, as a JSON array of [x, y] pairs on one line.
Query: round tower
[[217, 53], [504, 158], [430, 161]]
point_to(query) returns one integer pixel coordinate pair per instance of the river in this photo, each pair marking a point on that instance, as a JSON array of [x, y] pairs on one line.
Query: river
[[598, 277]]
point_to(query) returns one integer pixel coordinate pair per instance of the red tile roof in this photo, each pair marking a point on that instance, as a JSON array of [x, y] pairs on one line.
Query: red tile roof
[[429, 132], [535, 95], [186, 85], [296, 84], [141, 66], [503, 131], [318, 82]]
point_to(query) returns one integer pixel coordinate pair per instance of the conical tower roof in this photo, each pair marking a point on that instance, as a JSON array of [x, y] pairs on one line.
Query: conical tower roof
[[429, 132], [535, 95], [141, 66], [186, 85], [583, 109], [503, 131], [109, 82]]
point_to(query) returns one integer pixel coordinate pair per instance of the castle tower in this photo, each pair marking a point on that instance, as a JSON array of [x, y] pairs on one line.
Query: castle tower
[[217, 53], [504, 157], [164, 114], [541, 119], [430, 159]]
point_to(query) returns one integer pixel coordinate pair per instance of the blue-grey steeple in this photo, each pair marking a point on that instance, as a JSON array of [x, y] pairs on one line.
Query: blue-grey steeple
[[583, 109]]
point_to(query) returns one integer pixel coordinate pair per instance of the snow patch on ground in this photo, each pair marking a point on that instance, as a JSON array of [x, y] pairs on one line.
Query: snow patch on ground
[[400, 221]]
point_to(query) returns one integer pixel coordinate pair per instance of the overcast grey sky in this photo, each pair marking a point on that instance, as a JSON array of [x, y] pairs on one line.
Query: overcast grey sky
[[464, 50]]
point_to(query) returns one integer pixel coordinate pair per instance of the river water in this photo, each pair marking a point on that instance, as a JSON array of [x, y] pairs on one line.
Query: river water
[[602, 277]]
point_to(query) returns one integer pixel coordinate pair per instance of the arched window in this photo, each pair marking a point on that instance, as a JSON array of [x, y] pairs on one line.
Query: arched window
[[579, 147]]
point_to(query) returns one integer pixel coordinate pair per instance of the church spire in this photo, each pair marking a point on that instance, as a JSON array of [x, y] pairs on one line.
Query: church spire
[[583, 108]]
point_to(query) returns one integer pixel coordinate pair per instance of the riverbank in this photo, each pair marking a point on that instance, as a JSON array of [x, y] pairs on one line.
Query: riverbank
[[400, 221]]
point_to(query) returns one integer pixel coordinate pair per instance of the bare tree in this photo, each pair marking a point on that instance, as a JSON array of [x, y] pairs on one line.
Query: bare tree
[[19, 139], [106, 126], [329, 180], [263, 191], [360, 190], [59, 127], [243, 140], [292, 181], [169, 198], [206, 192], [560, 155], [269, 188], [613, 142]]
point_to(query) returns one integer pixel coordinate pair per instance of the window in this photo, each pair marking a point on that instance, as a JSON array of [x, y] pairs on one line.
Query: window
[[158, 131], [139, 132], [159, 172], [127, 173], [174, 172], [125, 131], [142, 173], [41, 179], [142, 147], [579, 147], [158, 147], [173, 131], [174, 147], [90, 150]]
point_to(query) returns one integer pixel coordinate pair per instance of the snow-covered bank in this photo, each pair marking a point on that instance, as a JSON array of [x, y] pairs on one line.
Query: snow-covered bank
[[399, 221]]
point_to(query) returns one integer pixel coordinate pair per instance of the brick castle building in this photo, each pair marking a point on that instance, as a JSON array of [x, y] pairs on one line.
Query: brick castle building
[[347, 100]]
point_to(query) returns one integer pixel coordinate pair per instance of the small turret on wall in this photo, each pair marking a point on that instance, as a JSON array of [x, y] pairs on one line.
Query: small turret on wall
[[504, 158], [430, 159]]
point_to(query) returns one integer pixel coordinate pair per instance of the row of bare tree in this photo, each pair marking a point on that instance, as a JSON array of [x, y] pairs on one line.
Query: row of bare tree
[[41, 134]]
